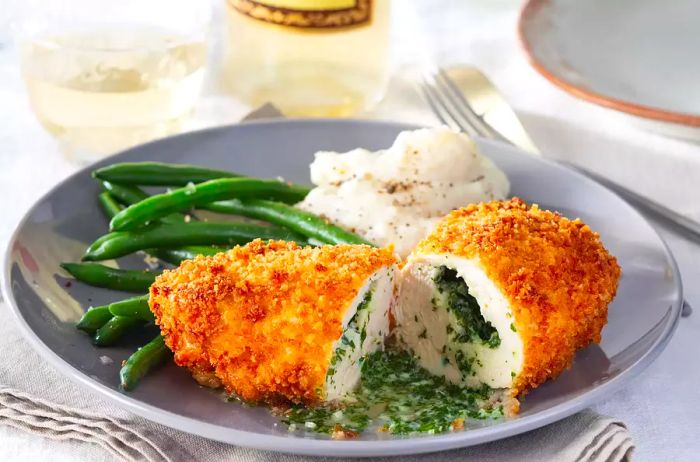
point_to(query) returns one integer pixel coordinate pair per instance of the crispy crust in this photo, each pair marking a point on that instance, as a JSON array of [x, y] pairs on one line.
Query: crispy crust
[[555, 272], [263, 317]]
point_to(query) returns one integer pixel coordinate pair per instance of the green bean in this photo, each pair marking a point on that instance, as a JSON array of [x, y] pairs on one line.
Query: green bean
[[173, 256], [160, 205], [114, 329], [143, 360], [109, 206], [159, 174], [290, 217], [126, 194], [129, 195], [111, 278], [177, 256], [94, 318], [135, 307], [122, 243]]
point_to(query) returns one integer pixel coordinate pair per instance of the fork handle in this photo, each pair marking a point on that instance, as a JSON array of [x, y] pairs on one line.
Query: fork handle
[[681, 221]]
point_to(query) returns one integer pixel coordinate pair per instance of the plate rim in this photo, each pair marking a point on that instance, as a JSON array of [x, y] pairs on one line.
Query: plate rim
[[529, 9], [303, 446]]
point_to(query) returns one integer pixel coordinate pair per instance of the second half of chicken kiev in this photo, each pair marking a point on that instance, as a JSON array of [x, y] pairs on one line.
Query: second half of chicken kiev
[[504, 294], [274, 321]]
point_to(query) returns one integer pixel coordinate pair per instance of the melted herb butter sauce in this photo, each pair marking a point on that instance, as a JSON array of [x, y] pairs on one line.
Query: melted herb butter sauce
[[398, 396]]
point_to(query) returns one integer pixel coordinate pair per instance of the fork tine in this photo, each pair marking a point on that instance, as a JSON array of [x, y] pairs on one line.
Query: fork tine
[[463, 108], [443, 107], [438, 108], [448, 85], [447, 102]]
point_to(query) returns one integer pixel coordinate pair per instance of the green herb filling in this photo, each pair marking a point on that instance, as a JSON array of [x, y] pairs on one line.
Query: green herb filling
[[456, 298]]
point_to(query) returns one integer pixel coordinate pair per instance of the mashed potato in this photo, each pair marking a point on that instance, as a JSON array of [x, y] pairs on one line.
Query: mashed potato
[[395, 196]]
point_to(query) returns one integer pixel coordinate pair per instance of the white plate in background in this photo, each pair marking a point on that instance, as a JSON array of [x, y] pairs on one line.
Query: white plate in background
[[640, 57]]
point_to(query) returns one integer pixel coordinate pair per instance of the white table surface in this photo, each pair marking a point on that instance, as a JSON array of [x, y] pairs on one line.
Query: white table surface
[[661, 407]]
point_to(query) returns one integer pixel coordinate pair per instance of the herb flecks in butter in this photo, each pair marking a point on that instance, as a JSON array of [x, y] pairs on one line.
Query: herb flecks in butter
[[398, 396]]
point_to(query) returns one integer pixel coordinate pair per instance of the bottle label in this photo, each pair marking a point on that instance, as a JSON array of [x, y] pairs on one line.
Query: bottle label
[[307, 13]]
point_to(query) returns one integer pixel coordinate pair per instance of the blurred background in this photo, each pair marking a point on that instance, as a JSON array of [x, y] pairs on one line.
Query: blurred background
[[101, 77], [81, 79]]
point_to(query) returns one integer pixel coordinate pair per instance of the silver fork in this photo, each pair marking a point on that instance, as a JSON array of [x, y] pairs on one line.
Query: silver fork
[[451, 108]]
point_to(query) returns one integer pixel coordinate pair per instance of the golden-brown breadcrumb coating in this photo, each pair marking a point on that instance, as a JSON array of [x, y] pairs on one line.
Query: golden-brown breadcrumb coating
[[263, 317], [555, 272]]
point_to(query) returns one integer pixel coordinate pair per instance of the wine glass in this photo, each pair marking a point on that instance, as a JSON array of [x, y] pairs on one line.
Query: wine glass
[[103, 76]]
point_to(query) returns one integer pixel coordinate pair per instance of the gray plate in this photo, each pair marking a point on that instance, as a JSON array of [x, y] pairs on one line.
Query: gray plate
[[59, 227]]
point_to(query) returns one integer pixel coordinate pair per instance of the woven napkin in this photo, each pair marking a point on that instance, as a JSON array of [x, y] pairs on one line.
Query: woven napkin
[[36, 399]]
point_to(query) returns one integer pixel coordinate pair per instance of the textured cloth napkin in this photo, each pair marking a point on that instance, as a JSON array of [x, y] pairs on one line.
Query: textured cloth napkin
[[37, 399]]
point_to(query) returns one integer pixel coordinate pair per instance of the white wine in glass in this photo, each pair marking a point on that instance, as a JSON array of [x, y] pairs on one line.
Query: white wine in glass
[[100, 88]]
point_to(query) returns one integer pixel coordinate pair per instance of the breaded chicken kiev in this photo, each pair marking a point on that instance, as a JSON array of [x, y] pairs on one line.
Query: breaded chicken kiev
[[272, 321], [504, 295]]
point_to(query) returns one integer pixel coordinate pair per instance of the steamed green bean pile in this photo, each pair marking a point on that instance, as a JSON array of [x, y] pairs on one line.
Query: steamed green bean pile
[[165, 228]]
